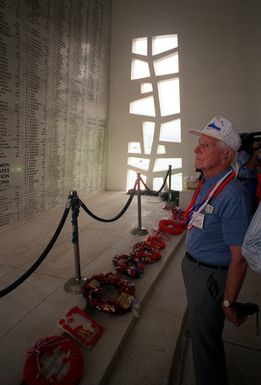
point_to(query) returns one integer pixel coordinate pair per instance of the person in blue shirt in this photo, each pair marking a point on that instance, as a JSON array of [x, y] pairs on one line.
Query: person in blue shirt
[[248, 160], [213, 267]]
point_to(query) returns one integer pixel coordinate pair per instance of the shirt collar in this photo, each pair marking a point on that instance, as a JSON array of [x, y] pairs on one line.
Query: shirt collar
[[214, 179]]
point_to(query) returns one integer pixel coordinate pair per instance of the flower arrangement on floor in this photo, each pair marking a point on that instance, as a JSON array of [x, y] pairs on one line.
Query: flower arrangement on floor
[[53, 360], [128, 265], [109, 293], [145, 252]]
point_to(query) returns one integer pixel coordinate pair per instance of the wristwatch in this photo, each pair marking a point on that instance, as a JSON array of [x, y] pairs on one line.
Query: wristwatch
[[226, 303]]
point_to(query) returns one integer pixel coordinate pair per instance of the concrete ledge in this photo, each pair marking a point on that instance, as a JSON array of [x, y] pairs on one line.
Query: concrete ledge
[[147, 354], [101, 358]]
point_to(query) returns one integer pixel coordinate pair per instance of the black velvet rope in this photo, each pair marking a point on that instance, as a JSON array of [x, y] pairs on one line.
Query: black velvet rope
[[163, 184], [74, 203], [85, 208], [21, 279]]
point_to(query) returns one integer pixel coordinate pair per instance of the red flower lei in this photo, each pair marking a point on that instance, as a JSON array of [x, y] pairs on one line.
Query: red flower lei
[[170, 226]]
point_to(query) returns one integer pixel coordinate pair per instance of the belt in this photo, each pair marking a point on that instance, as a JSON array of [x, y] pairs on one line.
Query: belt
[[215, 267]]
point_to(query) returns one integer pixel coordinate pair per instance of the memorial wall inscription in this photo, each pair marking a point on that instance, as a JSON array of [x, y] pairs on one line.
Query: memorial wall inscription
[[54, 69]]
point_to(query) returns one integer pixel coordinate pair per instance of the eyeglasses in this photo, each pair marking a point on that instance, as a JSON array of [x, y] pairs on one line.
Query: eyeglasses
[[206, 146]]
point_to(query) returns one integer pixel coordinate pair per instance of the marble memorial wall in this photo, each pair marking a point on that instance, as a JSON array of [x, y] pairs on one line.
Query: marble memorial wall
[[54, 69]]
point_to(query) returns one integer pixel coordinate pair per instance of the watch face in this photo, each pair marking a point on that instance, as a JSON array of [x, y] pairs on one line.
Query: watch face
[[226, 303]]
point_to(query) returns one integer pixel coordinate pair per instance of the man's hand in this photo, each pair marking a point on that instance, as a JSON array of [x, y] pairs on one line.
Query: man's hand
[[232, 317]]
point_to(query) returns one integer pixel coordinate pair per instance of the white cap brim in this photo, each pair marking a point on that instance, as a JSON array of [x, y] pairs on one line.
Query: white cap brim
[[234, 146], [198, 132]]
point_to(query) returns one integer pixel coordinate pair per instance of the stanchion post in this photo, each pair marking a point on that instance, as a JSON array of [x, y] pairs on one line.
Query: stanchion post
[[169, 192], [139, 230], [170, 204], [74, 285]]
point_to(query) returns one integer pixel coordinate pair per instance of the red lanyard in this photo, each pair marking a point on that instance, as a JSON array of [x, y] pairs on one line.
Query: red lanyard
[[195, 195], [193, 200]]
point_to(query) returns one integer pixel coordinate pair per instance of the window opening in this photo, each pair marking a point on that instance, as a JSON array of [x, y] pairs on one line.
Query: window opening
[[134, 148], [139, 163], [163, 101], [139, 69], [170, 131], [162, 164], [148, 135], [144, 106], [140, 46], [166, 65], [161, 149], [131, 179], [164, 43], [146, 87], [169, 96]]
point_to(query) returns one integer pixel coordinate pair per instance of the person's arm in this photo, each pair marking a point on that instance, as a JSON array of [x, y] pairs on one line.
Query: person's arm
[[252, 163], [235, 277]]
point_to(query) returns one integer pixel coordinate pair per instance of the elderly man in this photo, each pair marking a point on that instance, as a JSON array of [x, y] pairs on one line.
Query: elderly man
[[213, 267]]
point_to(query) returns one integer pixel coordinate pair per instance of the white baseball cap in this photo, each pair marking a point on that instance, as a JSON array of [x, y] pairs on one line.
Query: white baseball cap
[[221, 129]]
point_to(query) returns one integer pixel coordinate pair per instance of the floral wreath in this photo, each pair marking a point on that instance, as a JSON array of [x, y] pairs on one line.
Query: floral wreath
[[178, 217], [128, 265], [170, 226], [145, 252], [49, 358], [94, 291], [156, 242]]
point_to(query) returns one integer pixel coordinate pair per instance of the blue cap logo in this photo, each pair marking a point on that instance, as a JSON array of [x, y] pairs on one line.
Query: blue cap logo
[[213, 125]]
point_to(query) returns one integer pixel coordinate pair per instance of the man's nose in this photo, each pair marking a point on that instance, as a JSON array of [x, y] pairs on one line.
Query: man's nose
[[197, 148]]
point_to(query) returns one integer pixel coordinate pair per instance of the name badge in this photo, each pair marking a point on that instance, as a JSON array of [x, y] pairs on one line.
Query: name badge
[[198, 221], [209, 209]]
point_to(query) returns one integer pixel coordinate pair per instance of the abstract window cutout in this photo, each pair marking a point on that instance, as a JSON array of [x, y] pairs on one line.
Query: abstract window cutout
[[164, 43], [144, 106], [140, 46], [165, 99], [157, 183], [161, 149], [134, 148], [146, 87], [162, 164], [169, 96], [170, 131], [176, 181], [131, 178], [139, 69], [140, 163], [148, 135], [167, 65]]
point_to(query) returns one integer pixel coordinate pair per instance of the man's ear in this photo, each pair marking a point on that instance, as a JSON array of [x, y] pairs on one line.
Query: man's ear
[[227, 157]]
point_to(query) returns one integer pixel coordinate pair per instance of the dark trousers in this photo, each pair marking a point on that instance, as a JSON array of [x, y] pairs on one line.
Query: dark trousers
[[206, 321]]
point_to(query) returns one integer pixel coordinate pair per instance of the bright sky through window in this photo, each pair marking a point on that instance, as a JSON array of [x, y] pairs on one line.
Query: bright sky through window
[[169, 96], [143, 106], [146, 87], [170, 131], [140, 46], [167, 65], [148, 135], [163, 43], [139, 69]]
